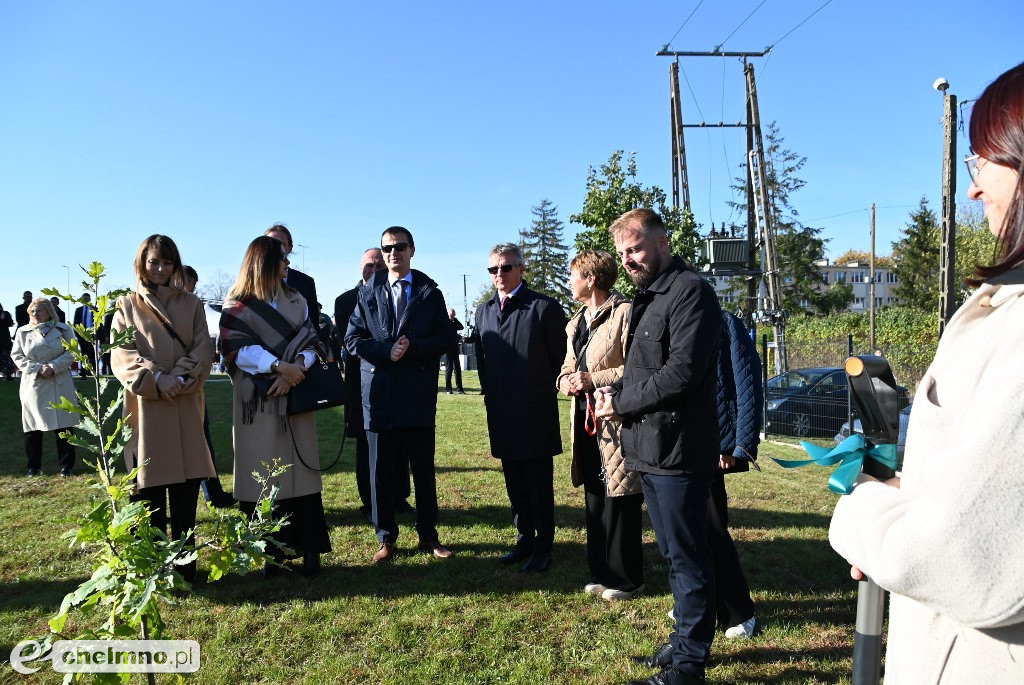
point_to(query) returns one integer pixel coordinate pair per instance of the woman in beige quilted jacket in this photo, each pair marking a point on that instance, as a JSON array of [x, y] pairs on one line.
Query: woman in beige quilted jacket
[[594, 358]]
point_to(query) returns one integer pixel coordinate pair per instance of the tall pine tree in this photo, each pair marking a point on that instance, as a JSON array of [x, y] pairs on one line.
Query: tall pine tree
[[916, 256], [613, 193], [798, 247], [546, 256]]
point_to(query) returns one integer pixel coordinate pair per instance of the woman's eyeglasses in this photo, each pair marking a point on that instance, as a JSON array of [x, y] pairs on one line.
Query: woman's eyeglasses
[[397, 247], [973, 166], [505, 268]]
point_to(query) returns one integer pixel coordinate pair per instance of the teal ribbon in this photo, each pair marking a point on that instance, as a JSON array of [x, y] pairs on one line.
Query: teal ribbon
[[849, 454]]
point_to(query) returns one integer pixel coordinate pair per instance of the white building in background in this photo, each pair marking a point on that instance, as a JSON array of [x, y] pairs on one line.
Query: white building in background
[[855, 274]]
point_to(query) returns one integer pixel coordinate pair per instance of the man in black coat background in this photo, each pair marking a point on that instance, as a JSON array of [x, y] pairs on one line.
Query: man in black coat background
[[452, 363], [295, 278], [344, 304], [84, 315], [21, 310], [520, 336], [399, 330], [666, 401]]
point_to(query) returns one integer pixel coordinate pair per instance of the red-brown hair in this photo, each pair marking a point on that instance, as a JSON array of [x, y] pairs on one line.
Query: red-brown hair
[[997, 134]]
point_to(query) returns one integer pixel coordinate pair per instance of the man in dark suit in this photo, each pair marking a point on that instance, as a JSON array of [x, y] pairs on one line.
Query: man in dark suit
[[666, 401], [399, 330], [21, 310], [521, 344], [295, 278], [344, 304], [61, 316], [451, 359], [84, 315]]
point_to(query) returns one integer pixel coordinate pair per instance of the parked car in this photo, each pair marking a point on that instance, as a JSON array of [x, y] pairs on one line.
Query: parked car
[[810, 402], [807, 402], [844, 431]]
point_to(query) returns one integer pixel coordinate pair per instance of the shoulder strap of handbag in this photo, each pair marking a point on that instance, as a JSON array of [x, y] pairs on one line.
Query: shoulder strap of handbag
[[299, 454], [167, 325]]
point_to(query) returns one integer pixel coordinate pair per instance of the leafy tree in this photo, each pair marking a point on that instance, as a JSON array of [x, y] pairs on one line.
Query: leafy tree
[[615, 191], [546, 256], [864, 257], [916, 257], [975, 244], [798, 247]]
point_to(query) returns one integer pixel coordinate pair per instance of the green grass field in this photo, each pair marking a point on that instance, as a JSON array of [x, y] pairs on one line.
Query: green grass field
[[465, 620]]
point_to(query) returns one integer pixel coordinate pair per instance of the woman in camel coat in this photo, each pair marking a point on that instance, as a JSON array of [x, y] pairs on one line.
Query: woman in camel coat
[[163, 374]]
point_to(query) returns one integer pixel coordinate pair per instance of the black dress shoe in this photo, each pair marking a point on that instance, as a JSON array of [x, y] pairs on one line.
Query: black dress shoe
[[661, 658], [223, 500], [311, 564], [670, 676], [34, 472], [516, 555], [271, 570], [538, 563], [65, 472], [402, 506]]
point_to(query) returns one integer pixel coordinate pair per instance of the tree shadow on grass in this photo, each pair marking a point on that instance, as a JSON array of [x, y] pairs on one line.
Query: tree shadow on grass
[[767, 519], [41, 594]]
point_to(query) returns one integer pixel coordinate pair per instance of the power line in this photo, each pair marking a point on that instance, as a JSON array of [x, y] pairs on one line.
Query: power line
[[716, 48], [681, 27], [764, 67], [798, 25]]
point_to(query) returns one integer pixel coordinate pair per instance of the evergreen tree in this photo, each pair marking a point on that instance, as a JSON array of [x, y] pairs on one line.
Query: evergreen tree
[[916, 257], [545, 255], [613, 193], [798, 247]]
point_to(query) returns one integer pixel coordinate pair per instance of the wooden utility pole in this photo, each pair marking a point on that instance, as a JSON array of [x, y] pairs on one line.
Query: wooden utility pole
[[871, 290], [947, 247], [680, 179]]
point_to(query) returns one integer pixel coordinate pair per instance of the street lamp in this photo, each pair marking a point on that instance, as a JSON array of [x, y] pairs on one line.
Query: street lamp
[[67, 299], [303, 255]]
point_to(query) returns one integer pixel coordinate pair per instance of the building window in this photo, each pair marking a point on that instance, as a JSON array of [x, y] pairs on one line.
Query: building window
[[891, 277], [858, 303], [857, 277], [840, 277], [878, 301], [892, 300]]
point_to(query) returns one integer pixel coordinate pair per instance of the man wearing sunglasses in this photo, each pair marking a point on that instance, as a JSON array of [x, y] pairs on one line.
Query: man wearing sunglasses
[[371, 262], [520, 336], [399, 330]]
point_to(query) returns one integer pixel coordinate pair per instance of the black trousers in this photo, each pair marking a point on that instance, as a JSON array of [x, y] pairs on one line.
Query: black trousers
[[452, 363], [614, 526], [34, 449], [403, 485], [733, 605], [678, 508], [530, 484], [389, 451], [211, 486], [183, 498]]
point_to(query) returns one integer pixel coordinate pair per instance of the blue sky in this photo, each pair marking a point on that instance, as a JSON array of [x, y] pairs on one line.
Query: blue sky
[[210, 121]]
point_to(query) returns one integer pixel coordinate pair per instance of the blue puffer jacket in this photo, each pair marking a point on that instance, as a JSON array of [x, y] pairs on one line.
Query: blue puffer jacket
[[740, 395]]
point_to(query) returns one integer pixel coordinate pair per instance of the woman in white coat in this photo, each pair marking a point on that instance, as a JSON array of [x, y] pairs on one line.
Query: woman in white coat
[[947, 537], [45, 377]]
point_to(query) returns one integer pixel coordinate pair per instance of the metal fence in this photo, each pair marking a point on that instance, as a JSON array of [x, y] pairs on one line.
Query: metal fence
[[812, 399]]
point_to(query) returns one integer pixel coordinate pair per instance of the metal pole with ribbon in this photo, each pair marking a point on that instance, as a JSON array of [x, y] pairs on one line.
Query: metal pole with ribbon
[[877, 399]]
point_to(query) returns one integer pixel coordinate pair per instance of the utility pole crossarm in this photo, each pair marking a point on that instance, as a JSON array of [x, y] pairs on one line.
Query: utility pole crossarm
[[674, 53]]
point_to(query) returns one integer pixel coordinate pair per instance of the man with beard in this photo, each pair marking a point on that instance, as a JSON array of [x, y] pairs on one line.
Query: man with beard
[[666, 401]]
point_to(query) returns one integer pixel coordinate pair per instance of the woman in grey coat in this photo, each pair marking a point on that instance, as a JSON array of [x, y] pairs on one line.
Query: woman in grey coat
[[45, 377]]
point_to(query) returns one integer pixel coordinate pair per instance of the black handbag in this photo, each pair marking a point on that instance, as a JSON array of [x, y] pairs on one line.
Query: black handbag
[[322, 388]]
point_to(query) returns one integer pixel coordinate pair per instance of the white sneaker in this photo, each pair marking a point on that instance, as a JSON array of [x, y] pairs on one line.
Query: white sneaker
[[743, 630], [612, 595], [595, 589]]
